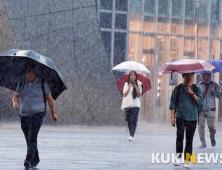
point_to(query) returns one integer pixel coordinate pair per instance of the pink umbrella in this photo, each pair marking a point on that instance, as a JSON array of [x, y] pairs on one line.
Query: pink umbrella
[[145, 81], [186, 66]]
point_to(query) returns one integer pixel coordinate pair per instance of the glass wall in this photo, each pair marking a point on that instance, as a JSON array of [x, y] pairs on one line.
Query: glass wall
[[113, 17], [157, 32]]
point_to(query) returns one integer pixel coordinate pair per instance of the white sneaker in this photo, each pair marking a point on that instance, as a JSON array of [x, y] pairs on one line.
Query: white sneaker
[[131, 138], [186, 165], [178, 162]]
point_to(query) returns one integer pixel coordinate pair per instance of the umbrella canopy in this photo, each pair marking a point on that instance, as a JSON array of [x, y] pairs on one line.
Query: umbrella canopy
[[186, 66], [217, 64], [145, 81], [128, 66], [13, 66]]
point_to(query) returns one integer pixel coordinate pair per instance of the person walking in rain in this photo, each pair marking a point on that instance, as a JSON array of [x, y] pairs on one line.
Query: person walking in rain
[[34, 92], [210, 91], [132, 90], [184, 101]]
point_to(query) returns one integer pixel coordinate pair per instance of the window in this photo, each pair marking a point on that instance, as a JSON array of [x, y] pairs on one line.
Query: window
[[177, 26], [105, 20], [203, 28], [189, 8], [121, 21], [203, 9], [189, 48], [215, 29], [106, 4], [214, 14], [163, 25], [119, 47], [107, 38], [177, 8], [136, 6], [149, 24], [189, 27], [121, 5], [135, 23], [163, 7], [134, 50], [149, 6]]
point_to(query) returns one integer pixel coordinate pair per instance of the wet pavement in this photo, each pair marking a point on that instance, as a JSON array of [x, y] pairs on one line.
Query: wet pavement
[[85, 147]]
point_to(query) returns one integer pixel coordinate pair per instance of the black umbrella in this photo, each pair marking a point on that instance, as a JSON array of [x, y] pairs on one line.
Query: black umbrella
[[13, 66]]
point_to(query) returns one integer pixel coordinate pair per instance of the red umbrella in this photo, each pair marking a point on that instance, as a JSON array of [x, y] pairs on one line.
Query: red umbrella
[[145, 81], [186, 66]]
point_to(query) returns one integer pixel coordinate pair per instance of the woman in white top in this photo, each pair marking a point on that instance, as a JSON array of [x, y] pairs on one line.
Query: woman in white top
[[135, 87]]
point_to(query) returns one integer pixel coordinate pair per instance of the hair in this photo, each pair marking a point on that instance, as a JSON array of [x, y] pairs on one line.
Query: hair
[[207, 73], [184, 74], [31, 68], [129, 81]]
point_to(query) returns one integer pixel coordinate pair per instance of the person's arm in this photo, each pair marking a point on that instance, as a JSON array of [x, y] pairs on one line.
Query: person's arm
[[173, 121], [126, 90], [188, 90], [198, 97], [215, 90], [15, 100], [173, 105], [51, 103]]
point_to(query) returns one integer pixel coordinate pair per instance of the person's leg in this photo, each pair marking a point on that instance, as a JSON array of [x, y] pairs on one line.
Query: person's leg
[[180, 135], [34, 127], [35, 160], [129, 120], [25, 127], [135, 112], [190, 130], [201, 127], [126, 122], [211, 125]]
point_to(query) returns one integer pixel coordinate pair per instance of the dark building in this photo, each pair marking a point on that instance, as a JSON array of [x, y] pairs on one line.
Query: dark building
[[67, 31]]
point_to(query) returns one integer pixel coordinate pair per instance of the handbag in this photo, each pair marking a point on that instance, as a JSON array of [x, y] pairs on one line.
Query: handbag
[[127, 101]]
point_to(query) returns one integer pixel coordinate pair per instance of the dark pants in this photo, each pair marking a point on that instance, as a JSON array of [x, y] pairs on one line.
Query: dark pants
[[190, 130], [30, 126], [132, 116]]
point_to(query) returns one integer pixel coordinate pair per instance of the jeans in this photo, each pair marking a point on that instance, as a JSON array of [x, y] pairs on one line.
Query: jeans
[[132, 116], [210, 116], [190, 130], [30, 126]]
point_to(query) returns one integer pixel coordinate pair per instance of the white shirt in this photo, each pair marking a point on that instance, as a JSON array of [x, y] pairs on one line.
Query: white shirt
[[136, 101]]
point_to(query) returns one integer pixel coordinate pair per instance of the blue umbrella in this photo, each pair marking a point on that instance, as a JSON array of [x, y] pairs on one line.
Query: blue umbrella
[[217, 64]]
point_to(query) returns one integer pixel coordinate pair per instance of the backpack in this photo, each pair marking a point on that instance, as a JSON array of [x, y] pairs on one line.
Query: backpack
[[22, 83]]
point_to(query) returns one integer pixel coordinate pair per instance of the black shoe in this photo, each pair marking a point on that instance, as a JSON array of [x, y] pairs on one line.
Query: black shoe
[[27, 165], [202, 146], [35, 164], [213, 142]]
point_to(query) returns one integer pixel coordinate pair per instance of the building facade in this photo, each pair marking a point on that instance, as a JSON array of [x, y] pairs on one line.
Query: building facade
[[68, 32], [153, 32]]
